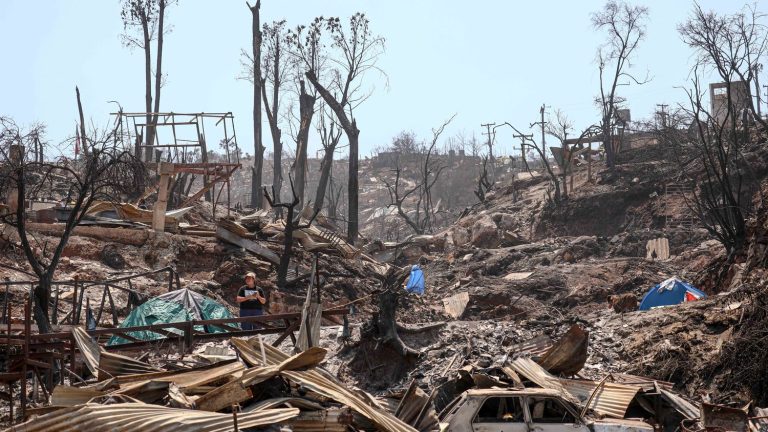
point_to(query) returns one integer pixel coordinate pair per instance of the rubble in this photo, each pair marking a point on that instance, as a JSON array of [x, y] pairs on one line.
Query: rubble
[[521, 296]]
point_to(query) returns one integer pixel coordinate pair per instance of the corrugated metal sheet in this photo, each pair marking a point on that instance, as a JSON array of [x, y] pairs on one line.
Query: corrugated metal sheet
[[132, 417], [531, 370], [107, 364], [70, 396], [611, 400], [90, 349], [320, 382], [535, 347], [132, 384], [647, 384], [112, 365], [684, 407]]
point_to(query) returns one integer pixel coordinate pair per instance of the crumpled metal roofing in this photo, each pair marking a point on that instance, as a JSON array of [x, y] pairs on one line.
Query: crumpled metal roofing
[[534, 347], [132, 417], [531, 370], [687, 409], [320, 382], [104, 363], [611, 399]]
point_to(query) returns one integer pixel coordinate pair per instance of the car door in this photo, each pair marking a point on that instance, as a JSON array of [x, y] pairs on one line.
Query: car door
[[500, 414], [550, 414]]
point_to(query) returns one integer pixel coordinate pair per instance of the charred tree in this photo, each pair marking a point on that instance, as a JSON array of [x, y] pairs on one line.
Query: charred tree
[[484, 185], [357, 51], [292, 223], [422, 219], [306, 112], [104, 173], [258, 147], [625, 26], [731, 45], [329, 137], [276, 70], [148, 17], [383, 325], [398, 197]]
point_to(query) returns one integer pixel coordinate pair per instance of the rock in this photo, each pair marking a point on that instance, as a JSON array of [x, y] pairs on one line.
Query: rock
[[568, 256], [461, 236], [507, 222], [484, 234]]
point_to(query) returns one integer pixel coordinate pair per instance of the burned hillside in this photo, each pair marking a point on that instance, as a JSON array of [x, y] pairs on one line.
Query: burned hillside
[[337, 260]]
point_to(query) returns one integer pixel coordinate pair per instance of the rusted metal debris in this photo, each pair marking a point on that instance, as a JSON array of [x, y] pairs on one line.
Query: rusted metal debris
[[129, 417], [569, 354], [202, 398]]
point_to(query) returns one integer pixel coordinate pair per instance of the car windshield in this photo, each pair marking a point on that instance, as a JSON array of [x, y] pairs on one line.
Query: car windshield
[[549, 410], [500, 410]]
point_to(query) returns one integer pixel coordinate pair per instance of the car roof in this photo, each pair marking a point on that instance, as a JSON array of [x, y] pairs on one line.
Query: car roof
[[514, 392]]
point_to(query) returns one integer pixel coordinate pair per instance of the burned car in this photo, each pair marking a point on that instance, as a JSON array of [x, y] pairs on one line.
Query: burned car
[[525, 410]]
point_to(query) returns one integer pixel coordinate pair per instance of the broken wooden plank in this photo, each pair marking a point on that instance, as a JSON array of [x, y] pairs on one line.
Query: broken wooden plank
[[224, 396], [249, 245]]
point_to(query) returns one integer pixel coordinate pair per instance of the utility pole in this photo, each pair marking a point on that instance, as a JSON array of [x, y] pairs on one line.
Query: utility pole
[[758, 68], [490, 142], [663, 115], [542, 123], [543, 135]]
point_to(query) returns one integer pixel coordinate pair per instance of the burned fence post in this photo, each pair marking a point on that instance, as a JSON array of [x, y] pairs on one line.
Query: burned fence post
[[55, 317], [112, 306]]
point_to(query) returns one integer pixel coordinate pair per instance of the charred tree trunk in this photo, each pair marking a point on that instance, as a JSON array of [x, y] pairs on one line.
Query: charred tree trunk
[[285, 257], [386, 324], [290, 226], [353, 136], [306, 111], [352, 187], [326, 168], [158, 67], [258, 154], [150, 132], [383, 325], [40, 311], [83, 144]]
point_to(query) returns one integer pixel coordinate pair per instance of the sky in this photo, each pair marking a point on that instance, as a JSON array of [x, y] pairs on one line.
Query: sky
[[485, 61]]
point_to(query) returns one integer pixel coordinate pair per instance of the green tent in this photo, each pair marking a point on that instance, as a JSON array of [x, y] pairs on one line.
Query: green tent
[[175, 306]]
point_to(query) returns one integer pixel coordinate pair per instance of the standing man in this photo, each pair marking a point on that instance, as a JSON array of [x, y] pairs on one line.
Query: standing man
[[251, 300]]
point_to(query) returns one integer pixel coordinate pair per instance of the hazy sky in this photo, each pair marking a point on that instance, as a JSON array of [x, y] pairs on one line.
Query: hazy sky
[[486, 61]]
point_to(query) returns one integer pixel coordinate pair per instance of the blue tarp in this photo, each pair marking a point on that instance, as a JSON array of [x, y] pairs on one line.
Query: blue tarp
[[670, 292], [415, 281]]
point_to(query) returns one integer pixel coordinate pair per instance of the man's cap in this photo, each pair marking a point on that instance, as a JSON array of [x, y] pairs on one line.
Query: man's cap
[[250, 275]]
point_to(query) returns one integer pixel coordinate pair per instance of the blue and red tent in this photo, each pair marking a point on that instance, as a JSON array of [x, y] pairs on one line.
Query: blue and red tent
[[670, 292]]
